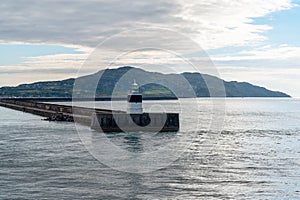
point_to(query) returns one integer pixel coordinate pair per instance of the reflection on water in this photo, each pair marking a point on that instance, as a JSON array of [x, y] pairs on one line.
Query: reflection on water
[[256, 156], [132, 142]]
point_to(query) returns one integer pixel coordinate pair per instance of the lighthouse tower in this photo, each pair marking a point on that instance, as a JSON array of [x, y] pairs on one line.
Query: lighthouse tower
[[134, 100]]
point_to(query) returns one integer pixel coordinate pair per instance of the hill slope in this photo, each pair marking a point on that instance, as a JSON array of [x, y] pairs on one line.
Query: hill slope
[[110, 78]]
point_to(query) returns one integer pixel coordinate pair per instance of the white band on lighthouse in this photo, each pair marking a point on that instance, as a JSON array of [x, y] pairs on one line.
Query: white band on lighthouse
[[135, 100]]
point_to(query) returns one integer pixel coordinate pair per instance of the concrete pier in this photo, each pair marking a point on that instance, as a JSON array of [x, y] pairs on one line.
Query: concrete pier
[[98, 119]]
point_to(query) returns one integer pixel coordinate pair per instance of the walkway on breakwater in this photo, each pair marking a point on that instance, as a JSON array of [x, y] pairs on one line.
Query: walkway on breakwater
[[54, 112]]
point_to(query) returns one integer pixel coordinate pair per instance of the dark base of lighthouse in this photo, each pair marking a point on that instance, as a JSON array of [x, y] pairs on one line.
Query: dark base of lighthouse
[[146, 122]]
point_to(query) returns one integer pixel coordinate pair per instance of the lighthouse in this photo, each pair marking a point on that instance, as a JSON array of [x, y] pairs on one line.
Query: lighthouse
[[135, 120], [134, 99]]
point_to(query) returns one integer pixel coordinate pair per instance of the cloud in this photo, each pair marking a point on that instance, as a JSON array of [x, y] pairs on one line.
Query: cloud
[[224, 23], [75, 22], [83, 24], [278, 53], [212, 23]]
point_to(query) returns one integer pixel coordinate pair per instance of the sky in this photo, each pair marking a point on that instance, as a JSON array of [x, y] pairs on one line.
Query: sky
[[256, 41]]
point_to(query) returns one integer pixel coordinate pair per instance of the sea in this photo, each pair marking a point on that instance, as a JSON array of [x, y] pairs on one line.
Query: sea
[[234, 148]]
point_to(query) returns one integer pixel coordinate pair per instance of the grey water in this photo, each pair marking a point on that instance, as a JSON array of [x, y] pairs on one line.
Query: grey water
[[253, 152]]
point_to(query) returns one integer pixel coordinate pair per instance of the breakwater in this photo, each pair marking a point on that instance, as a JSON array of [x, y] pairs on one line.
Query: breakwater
[[103, 120], [69, 99]]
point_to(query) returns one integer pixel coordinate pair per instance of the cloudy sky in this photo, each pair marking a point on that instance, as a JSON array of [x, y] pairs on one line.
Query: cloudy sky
[[247, 40]]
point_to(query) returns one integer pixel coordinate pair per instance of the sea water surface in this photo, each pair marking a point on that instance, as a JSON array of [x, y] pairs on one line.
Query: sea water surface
[[256, 155]]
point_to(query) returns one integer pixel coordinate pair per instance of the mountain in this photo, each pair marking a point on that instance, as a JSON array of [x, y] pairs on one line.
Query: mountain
[[162, 85]]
